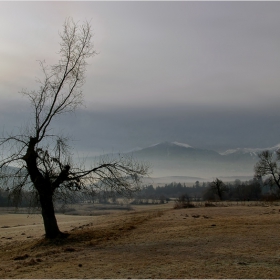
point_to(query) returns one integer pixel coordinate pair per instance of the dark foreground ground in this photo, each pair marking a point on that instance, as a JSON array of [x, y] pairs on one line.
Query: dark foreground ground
[[232, 241]]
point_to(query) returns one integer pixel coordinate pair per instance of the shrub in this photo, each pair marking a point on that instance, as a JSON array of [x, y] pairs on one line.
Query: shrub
[[209, 204], [183, 201]]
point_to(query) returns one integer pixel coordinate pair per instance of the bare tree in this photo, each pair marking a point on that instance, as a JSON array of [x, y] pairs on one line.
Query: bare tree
[[39, 160], [268, 167], [219, 188]]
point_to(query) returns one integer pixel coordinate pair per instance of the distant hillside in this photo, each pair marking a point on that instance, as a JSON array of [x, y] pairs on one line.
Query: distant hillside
[[179, 159]]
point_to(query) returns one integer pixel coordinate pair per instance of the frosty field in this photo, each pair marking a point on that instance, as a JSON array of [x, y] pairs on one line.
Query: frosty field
[[227, 241]]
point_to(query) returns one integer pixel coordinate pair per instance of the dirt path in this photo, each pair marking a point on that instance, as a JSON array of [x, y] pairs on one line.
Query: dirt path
[[216, 242]]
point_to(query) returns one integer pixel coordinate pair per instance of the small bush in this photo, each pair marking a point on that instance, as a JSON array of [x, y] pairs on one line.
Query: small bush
[[209, 204], [271, 197], [183, 202]]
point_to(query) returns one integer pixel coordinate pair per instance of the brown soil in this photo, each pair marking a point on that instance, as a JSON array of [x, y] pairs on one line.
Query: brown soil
[[203, 242]]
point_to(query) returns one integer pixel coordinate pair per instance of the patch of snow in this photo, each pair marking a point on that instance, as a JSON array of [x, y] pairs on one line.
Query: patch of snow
[[154, 145], [251, 151], [276, 147], [228, 152], [133, 150], [182, 145], [170, 144]]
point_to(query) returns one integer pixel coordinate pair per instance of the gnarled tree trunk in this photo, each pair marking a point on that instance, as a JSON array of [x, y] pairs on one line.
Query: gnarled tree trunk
[[50, 223], [44, 189]]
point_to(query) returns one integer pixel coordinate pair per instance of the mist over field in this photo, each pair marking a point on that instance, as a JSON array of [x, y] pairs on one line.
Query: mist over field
[[181, 162]]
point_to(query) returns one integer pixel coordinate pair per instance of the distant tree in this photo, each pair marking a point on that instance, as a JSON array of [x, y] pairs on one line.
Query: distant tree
[[218, 187], [183, 201], [240, 191], [255, 189], [41, 159], [249, 190], [4, 201], [162, 199], [268, 167], [208, 194], [236, 183]]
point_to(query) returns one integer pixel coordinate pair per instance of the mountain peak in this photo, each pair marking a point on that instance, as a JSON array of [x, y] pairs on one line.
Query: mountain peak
[[171, 144]]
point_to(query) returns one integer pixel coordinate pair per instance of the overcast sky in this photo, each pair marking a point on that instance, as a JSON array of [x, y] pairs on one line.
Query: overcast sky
[[202, 73]]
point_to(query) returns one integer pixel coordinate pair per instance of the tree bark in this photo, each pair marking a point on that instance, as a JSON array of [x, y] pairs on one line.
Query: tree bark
[[50, 223], [44, 188], [219, 192]]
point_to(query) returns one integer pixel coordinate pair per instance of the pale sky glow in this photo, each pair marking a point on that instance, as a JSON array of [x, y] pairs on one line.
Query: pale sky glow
[[216, 58]]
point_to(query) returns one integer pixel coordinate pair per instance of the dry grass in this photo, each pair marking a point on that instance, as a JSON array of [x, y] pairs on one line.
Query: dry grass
[[205, 242]]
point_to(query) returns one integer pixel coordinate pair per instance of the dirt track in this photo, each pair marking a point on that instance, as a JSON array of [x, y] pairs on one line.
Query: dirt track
[[214, 242]]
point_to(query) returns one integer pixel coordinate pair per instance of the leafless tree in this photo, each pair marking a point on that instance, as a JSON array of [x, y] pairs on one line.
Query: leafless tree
[[219, 188], [268, 167], [39, 160]]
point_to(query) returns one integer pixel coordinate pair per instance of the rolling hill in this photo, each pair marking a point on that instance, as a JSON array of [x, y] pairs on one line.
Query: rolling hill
[[180, 159]]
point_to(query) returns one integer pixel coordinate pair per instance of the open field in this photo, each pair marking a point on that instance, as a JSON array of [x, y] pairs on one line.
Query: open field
[[238, 241]]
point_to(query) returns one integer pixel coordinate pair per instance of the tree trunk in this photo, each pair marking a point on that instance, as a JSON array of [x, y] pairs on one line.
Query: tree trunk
[[50, 223], [219, 193]]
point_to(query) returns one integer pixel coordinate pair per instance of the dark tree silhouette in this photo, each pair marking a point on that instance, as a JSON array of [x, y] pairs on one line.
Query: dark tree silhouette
[[40, 160], [268, 167], [218, 187]]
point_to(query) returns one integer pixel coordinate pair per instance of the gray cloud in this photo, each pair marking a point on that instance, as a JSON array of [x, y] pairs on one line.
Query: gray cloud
[[215, 128], [205, 73]]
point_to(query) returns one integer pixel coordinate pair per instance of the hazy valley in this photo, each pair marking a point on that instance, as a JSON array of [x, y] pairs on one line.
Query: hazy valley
[[180, 162]]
